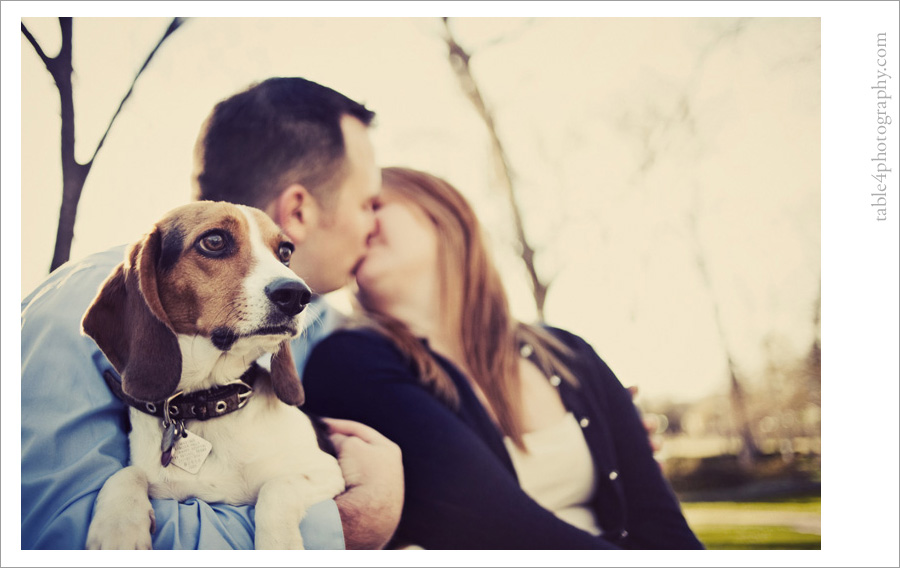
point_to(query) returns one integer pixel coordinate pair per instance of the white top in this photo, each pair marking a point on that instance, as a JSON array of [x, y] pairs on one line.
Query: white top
[[558, 472]]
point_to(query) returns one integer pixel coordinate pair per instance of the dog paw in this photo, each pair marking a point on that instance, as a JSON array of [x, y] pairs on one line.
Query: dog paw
[[121, 532], [279, 540]]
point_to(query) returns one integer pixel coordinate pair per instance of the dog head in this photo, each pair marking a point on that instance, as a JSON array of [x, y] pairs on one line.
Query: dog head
[[211, 270]]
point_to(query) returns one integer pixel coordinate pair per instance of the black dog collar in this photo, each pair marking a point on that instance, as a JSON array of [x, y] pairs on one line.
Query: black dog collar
[[199, 405]]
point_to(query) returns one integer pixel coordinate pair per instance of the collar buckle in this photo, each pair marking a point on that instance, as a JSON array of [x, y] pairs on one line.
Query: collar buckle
[[243, 397], [169, 410]]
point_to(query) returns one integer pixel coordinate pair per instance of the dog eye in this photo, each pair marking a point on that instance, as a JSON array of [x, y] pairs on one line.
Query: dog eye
[[214, 243], [285, 250]]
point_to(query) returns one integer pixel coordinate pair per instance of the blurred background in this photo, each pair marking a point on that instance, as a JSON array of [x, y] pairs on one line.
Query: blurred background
[[666, 172]]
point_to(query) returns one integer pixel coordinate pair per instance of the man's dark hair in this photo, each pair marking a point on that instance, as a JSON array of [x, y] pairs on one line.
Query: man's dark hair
[[282, 131]]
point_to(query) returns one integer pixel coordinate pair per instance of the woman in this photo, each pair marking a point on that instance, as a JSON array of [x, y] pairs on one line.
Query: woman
[[513, 436]]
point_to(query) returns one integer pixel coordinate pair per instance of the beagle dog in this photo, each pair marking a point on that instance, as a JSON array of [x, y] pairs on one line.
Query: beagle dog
[[186, 320]]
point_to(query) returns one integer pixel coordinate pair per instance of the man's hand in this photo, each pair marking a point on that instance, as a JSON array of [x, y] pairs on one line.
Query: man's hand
[[373, 473]]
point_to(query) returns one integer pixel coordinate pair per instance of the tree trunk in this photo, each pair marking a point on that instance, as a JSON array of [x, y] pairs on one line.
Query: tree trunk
[[459, 61], [749, 449], [74, 174]]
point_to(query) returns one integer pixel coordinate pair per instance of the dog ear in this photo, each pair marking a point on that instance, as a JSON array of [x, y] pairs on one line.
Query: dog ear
[[285, 379], [129, 325]]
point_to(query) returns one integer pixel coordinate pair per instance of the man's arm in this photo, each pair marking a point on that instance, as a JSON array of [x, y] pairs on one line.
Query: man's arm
[[373, 472], [196, 525], [74, 433]]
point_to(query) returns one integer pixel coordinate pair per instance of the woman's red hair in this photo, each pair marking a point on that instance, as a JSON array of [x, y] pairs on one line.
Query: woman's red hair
[[473, 301]]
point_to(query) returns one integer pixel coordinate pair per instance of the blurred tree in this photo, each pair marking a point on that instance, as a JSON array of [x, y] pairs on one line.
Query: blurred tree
[[75, 173], [749, 452], [814, 357], [459, 61], [674, 125], [680, 121]]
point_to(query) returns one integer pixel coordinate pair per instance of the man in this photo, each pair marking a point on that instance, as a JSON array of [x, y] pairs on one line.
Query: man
[[301, 152]]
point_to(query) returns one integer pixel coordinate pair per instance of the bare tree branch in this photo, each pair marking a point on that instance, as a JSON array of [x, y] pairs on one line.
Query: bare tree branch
[[459, 61], [48, 61], [74, 173], [507, 37], [682, 117], [174, 25]]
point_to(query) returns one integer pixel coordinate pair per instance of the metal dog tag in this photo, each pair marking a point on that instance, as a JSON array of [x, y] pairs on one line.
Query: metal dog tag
[[190, 452], [172, 432]]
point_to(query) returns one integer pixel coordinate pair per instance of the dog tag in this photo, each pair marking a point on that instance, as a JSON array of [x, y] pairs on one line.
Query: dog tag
[[166, 458], [190, 452], [171, 434]]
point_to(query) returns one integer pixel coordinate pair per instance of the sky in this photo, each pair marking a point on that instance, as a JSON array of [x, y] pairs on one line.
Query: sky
[[642, 147], [620, 133]]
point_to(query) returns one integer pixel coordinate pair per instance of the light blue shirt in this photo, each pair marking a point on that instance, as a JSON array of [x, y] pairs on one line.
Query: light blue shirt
[[74, 437]]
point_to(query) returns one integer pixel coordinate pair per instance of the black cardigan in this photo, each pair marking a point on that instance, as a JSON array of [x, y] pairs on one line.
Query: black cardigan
[[461, 487]]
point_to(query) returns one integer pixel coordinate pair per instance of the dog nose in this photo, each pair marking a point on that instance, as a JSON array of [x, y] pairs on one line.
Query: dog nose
[[290, 296]]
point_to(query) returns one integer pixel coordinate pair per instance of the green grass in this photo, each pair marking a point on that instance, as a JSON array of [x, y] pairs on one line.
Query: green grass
[[757, 525], [803, 505], [756, 537]]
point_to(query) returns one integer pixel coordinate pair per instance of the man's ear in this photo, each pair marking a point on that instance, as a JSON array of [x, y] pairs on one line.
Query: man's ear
[[295, 210]]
